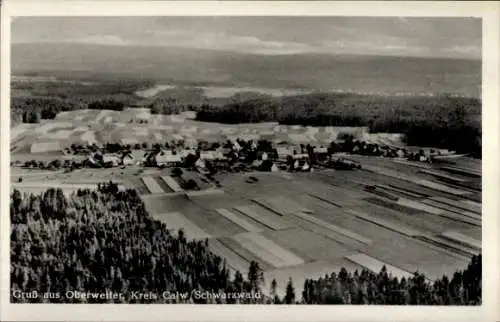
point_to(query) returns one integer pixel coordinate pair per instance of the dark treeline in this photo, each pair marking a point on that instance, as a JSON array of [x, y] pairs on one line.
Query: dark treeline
[[33, 109], [463, 288], [34, 101], [442, 122], [104, 240], [108, 104]]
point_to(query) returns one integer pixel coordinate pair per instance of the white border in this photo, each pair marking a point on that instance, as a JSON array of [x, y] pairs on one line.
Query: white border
[[489, 11]]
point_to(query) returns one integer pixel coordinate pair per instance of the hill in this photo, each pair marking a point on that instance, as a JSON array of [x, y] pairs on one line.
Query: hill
[[205, 67]]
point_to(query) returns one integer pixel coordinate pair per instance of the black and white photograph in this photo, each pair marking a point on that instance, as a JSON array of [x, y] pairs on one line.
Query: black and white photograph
[[272, 160]]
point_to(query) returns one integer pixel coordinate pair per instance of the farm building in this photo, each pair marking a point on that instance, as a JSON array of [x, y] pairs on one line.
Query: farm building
[[301, 165], [263, 156], [284, 152], [300, 156], [167, 158], [320, 150], [211, 155], [112, 159], [128, 159], [201, 166], [49, 146]]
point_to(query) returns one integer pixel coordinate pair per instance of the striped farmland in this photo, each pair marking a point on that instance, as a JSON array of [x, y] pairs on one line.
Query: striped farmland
[[152, 185], [419, 206], [176, 221], [399, 191], [234, 261], [441, 175], [386, 224], [242, 222], [279, 205], [334, 228], [258, 214], [450, 208], [268, 250], [449, 245], [469, 206], [441, 187], [463, 239], [461, 171], [171, 183], [375, 265]]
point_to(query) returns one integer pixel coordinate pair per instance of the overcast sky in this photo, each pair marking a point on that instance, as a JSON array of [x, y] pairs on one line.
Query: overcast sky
[[435, 37]]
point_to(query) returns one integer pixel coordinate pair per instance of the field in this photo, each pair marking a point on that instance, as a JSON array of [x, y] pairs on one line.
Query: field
[[94, 126], [415, 217]]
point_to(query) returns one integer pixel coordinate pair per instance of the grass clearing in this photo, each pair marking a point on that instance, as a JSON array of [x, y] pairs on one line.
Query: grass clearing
[[264, 217], [268, 250]]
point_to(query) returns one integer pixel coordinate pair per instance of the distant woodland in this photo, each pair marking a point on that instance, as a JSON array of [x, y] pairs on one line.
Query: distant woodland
[[105, 240], [442, 122]]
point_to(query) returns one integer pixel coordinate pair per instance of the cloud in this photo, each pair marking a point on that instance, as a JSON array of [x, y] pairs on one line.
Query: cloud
[[228, 42], [347, 35], [112, 40]]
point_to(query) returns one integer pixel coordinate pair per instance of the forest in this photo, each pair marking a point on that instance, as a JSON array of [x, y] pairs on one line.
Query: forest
[[105, 240], [441, 122], [34, 101]]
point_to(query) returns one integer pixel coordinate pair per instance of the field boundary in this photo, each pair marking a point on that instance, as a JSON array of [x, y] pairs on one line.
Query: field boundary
[[243, 223], [334, 228]]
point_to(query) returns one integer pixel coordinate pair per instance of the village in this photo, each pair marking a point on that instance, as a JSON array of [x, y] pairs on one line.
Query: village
[[231, 155]]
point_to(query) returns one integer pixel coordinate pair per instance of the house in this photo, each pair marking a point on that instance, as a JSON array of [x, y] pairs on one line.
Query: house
[[128, 159], [211, 155], [92, 160], [111, 159], [256, 164], [300, 156], [236, 146], [262, 155], [301, 165], [226, 152], [269, 166], [167, 158], [320, 150], [284, 152], [201, 166]]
